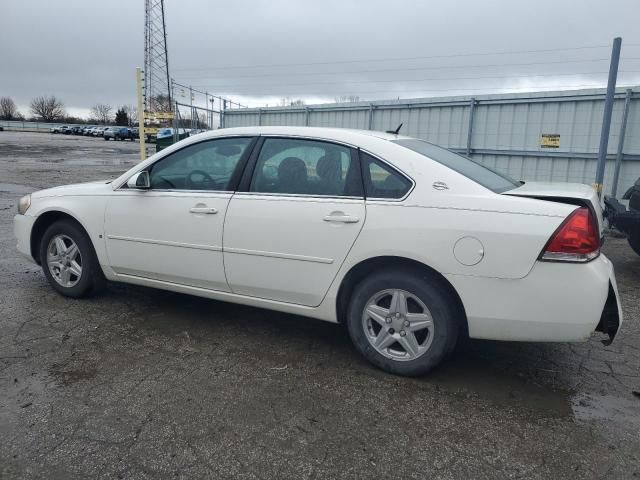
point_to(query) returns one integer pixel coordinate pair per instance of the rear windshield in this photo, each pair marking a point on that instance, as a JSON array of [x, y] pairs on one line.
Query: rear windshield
[[486, 177]]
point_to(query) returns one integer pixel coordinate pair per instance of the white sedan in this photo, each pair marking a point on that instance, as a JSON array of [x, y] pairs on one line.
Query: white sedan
[[407, 244]]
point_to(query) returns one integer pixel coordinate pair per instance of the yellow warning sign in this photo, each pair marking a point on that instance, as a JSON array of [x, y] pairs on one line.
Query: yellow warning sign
[[550, 140], [156, 116]]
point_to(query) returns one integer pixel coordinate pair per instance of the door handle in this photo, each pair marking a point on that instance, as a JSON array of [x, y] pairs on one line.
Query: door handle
[[341, 218], [207, 210]]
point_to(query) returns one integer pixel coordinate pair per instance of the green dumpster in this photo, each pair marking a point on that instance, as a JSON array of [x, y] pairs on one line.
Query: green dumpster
[[164, 142]]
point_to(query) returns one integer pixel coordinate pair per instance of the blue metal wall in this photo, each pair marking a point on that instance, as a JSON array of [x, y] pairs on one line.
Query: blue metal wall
[[505, 129]]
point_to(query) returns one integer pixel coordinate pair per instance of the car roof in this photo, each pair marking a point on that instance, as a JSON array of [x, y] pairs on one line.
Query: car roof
[[339, 134]]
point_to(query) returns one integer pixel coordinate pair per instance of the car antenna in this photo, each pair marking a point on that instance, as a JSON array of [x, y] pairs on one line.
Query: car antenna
[[396, 131]]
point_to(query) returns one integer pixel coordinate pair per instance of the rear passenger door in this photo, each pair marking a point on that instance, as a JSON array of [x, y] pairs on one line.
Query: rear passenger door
[[299, 210]]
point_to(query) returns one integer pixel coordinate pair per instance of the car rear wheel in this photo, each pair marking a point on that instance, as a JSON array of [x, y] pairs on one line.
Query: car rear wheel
[[402, 322], [69, 261]]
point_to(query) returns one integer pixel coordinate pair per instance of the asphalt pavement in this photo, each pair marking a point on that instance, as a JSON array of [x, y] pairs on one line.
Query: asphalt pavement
[[140, 383]]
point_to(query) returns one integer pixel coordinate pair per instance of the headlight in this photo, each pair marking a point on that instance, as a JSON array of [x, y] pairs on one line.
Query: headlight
[[23, 204]]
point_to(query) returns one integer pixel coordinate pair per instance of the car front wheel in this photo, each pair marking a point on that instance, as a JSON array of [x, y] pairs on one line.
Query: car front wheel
[[69, 261], [403, 322]]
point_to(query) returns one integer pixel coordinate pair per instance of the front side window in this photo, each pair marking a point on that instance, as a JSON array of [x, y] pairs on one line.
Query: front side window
[[382, 181], [206, 165], [480, 174], [305, 167]]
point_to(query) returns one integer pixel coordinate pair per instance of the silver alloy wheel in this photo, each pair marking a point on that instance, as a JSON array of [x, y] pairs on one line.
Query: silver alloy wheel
[[64, 260], [398, 324]]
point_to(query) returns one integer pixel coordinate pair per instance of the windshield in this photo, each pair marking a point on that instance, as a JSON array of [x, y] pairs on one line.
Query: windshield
[[485, 176]]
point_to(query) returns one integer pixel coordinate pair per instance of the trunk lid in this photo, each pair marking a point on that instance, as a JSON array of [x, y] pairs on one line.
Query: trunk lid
[[573, 193]]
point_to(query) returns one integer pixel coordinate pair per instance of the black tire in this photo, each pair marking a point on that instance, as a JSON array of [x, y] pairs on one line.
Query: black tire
[[634, 241], [92, 278], [436, 298]]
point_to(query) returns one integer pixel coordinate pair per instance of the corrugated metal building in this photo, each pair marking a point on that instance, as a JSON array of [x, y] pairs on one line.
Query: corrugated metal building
[[544, 136]]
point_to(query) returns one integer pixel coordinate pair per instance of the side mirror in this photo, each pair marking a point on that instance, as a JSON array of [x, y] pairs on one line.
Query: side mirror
[[140, 180]]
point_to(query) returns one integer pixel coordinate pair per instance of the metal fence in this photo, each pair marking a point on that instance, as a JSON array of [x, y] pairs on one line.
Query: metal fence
[[25, 126], [543, 136]]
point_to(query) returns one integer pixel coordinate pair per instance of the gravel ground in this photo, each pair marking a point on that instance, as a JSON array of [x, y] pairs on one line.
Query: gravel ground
[[139, 383]]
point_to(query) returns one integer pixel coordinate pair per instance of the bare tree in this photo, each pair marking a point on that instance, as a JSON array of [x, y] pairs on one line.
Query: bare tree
[[347, 99], [288, 102], [8, 109], [102, 112], [132, 113], [160, 103], [48, 108]]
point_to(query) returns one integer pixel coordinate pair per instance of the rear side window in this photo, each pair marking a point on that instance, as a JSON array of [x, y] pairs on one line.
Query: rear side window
[[382, 181], [480, 174], [305, 167]]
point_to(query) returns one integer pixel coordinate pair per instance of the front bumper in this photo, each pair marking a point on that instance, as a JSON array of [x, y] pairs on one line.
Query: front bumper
[[22, 226], [555, 302]]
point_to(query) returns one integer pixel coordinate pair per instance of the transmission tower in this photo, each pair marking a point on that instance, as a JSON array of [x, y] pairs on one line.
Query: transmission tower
[[157, 83]]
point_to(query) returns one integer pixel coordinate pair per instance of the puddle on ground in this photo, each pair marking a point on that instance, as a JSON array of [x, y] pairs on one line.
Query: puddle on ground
[[100, 161], [13, 188], [21, 393], [69, 376], [468, 375], [620, 411], [471, 376]]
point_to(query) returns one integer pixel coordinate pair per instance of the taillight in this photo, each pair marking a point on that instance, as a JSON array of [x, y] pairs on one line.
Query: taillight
[[575, 240]]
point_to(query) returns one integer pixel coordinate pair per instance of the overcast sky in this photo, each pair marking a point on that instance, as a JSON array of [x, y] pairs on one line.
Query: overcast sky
[[259, 51]]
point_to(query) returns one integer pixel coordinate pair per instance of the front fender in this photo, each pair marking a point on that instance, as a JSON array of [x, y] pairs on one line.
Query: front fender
[[88, 211]]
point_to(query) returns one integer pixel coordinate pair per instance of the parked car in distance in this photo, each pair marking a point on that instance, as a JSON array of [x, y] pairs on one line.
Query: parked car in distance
[[98, 131], [407, 244], [116, 133], [56, 129], [86, 130], [76, 130], [133, 133], [66, 129]]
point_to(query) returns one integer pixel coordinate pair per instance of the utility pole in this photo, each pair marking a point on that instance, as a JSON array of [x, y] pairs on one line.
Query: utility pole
[[472, 107], [174, 121], [619, 154], [606, 117], [222, 111], [206, 105], [191, 104], [143, 147], [158, 98]]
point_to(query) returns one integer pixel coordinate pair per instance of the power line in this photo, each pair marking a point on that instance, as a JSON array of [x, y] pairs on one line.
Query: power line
[[404, 80], [425, 90], [335, 62], [407, 69]]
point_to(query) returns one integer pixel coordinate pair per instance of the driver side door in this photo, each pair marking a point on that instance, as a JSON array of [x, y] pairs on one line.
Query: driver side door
[[172, 232]]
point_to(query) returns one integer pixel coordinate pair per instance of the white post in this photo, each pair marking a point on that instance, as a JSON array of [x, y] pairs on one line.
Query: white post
[[143, 147]]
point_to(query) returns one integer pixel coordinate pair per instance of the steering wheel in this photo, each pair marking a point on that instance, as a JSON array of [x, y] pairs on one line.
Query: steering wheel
[[171, 184], [207, 178]]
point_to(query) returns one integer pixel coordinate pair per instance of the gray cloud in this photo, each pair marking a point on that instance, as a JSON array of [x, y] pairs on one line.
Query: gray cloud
[[258, 51]]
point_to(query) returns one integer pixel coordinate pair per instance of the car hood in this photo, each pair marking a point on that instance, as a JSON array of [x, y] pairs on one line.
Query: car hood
[[88, 188], [559, 191]]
